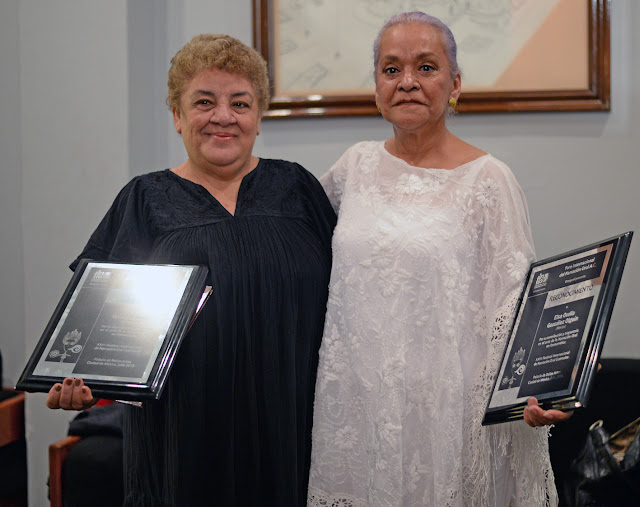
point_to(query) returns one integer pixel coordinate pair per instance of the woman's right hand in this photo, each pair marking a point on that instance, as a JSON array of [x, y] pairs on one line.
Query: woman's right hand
[[72, 394]]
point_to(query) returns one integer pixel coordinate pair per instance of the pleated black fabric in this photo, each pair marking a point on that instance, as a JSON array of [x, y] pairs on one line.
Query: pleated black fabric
[[233, 426]]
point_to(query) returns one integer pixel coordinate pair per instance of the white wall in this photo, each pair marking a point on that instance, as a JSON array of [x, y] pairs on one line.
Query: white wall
[[75, 157], [82, 110], [11, 264]]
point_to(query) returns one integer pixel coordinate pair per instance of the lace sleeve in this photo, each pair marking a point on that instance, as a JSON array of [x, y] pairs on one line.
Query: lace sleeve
[[506, 252]]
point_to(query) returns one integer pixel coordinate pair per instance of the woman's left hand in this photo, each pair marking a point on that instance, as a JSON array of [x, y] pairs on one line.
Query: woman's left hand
[[534, 415]]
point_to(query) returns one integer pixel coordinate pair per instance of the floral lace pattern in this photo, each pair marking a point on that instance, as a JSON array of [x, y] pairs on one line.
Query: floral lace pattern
[[427, 267]]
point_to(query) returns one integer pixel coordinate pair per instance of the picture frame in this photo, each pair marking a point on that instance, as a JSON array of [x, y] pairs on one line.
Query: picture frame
[[586, 90], [118, 326]]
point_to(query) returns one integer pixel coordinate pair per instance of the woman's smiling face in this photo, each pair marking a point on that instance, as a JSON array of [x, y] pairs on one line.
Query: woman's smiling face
[[219, 120], [413, 76]]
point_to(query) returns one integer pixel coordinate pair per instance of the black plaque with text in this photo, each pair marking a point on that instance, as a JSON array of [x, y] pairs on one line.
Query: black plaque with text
[[559, 330], [118, 327]]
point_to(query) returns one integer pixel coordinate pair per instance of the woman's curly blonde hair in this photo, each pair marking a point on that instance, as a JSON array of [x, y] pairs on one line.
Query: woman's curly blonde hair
[[222, 52]]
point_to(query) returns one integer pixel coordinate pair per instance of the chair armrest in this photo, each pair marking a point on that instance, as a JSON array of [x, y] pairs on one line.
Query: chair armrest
[[57, 454], [12, 419]]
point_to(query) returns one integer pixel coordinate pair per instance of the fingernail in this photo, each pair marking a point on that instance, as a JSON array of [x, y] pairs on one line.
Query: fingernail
[[58, 387], [78, 382], [68, 382]]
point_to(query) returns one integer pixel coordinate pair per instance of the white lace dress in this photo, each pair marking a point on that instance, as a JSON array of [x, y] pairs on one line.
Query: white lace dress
[[427, 267]]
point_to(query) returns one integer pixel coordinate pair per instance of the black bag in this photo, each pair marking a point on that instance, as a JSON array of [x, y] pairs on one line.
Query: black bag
[[607, 471]]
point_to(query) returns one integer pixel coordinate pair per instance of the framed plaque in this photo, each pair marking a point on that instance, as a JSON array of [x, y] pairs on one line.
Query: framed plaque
[[559, 330], [118, 327]]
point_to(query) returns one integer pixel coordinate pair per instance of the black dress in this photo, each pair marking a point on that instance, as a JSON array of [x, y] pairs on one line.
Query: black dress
[[233, 426]]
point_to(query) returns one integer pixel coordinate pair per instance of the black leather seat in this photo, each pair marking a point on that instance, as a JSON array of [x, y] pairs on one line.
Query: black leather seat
[[615, 399]]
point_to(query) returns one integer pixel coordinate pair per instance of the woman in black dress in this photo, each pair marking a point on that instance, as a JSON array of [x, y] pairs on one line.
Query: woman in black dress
[[233, 425]]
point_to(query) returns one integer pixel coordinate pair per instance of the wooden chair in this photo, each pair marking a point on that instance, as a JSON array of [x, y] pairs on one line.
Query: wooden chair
[[57, 454], [13, 461], [11, 418], [93, 456]]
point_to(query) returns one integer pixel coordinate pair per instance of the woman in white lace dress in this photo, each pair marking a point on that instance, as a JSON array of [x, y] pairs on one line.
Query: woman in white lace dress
[[432, 244]]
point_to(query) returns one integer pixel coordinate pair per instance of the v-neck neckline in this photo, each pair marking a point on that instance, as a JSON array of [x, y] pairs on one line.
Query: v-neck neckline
[[241, 189]]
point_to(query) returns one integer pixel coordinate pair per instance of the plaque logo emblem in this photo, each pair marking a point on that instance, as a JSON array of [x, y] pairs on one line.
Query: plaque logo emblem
[[541, 281]]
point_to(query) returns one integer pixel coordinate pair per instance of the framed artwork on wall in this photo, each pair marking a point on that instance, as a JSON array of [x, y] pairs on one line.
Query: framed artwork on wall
[[515, 55]]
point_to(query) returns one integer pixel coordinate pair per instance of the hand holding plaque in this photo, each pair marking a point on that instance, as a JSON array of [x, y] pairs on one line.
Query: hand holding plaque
[[559, 330], [71, 394]]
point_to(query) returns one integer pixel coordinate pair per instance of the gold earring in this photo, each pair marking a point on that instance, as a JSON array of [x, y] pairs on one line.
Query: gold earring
[[453, 102], [378, 106]]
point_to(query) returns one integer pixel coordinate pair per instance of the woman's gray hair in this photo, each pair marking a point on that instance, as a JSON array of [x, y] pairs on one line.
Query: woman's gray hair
[[450, 46]]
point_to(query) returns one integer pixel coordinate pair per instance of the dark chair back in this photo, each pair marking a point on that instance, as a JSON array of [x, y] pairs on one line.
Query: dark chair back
[[615, 399]]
